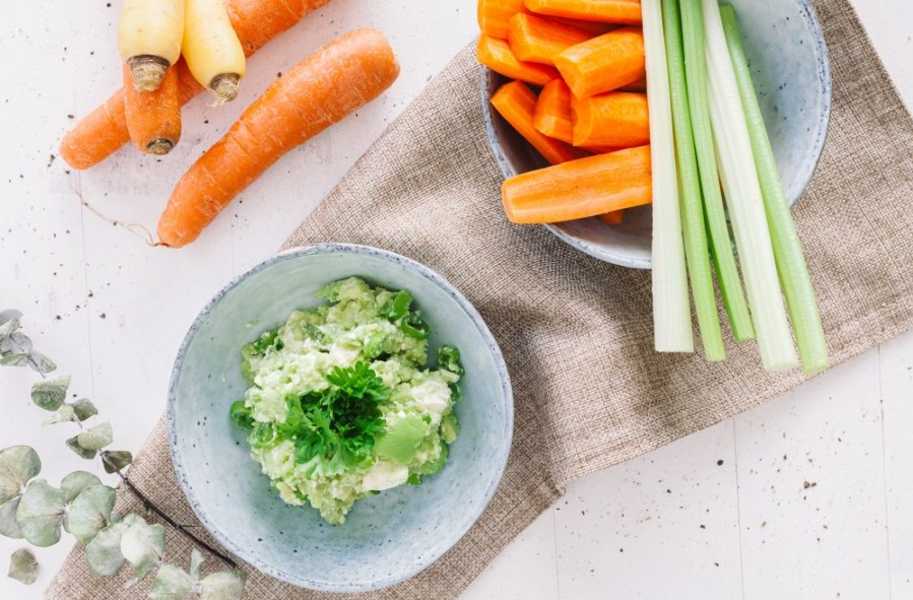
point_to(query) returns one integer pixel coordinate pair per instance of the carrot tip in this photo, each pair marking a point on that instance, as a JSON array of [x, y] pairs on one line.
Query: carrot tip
[[225, 87], [148, 71]]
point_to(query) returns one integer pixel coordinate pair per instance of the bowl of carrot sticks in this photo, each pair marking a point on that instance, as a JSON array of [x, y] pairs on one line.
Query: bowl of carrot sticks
[[568, 98]]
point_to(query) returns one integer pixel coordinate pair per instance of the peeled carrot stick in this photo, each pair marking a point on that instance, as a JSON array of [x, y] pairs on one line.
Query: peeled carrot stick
[[591, 27], [581, 188], [638, 86], [100, 133], [493, 16], [604, 63], [153, 118], [616, 119], [605, 11], [497, 56], [540, 40], [613, 218], [517, 104], [319, 91], [553, 115]]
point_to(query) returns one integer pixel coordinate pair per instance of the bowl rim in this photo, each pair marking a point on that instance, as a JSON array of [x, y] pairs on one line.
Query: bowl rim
[[181, 472], [626, 259]]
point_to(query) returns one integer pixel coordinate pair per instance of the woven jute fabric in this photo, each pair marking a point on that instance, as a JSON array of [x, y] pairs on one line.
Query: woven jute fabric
[[577, 333]]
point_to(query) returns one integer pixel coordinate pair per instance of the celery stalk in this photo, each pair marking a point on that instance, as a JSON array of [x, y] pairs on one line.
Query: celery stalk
[[745, 201], [696, 75], [794, 276], [695, 234], [671, 306]]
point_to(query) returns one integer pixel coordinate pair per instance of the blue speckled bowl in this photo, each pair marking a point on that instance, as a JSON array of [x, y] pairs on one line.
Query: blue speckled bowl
[[387, 538], [785, 45]]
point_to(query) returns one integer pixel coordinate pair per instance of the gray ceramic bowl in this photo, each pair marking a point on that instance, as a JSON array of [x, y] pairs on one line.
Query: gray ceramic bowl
[[387, 538], [785, 45]]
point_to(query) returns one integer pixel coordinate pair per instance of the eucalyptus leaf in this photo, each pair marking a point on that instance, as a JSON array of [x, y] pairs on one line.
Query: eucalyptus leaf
[[96, 438], [73, 444], [171, 583], [143, 546], [16, 342], [64, 414], [9, 527], [18, 464], [116, 460], [83, 408], [76, 482], [41, 363], [40, 513], [23, 566], [90, 512], [224, 585], [14, 359], [10, 315], [103, 552], [10, 325], [196, 564], [50, 394]]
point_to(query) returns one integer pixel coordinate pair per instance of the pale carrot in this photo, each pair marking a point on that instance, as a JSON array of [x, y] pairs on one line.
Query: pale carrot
[[99, 134], [605, 11], [517, 104], [494, 15], [319, 91], [497, 56], [613, 218], [153, 118], [616, 119], [540, 40], [554, 116], [586, 187], [604, 63]]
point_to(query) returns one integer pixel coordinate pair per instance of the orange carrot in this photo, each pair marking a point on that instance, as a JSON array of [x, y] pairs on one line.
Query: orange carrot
[[540, 40], [613, 218], [517, 104], [153, 118], [493, 16], [554, 116], [638, 86], [497, 56], [591, 27], [605, 11], [99, 134], [319, 91], [581, 188], [616, 119], [604, 63]]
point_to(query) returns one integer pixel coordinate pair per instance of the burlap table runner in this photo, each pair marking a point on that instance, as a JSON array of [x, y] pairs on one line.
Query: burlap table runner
[[576, 333]]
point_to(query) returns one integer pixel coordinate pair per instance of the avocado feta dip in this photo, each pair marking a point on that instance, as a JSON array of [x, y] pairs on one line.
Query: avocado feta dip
[[342, 402]]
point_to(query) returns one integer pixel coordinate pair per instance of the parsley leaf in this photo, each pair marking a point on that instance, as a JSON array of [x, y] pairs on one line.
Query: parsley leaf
[[241, 415], [448, 358]]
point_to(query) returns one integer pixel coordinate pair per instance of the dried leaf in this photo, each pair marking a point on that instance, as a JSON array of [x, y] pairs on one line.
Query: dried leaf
[[16, 342], [225, 585], [10, 325], [143, 546], [50, 394], [84, 409], [73, 444], [90, 512], [14, 360], [18, 464], [96, 438], [9, 315], [9, 527], [171, 583], [40, 363], [23, 566], [103, 552], [116, 460], [76, 482], [64, 414], [40, 513]]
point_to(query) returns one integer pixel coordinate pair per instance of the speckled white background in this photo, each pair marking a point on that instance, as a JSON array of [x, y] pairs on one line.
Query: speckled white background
[[808, 497]]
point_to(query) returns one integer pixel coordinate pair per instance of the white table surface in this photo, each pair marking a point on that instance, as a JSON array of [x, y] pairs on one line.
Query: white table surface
[[809, 496]]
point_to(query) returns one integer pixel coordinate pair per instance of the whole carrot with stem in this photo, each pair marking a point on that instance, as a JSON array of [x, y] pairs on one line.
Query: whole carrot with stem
[[321, 90], [102, 132], [153, 118]]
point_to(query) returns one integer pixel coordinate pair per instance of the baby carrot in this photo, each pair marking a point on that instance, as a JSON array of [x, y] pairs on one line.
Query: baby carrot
[[617, 119], [493, 16], [319, 91], [540, 40], [99, 134], [613, 218], [517, 103], [153, 118], [497, 56], [604, 63], [605, 11], [553, 115], [586, 187]]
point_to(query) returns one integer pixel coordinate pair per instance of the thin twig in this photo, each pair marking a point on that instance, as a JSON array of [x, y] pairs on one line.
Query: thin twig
[[151, 506]]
